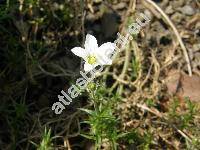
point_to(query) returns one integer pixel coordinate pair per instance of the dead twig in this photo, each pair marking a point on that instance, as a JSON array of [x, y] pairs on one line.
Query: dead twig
[[158, 114]]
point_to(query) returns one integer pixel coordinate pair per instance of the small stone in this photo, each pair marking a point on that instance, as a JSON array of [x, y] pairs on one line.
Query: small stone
[[187, 10], [177, 17], [169, 10], [90, 17], [177, 4], [196, 47], [97, 1], [148, 14], [55, 6]]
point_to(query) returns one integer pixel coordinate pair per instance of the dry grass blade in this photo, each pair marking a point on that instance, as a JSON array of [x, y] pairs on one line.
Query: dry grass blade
[[175, 32]]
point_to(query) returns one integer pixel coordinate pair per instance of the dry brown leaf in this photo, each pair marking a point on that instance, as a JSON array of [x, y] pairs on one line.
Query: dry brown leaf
[[182, 85]]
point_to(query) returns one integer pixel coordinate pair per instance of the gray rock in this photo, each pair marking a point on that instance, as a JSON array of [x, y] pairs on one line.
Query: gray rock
[[187, 10]]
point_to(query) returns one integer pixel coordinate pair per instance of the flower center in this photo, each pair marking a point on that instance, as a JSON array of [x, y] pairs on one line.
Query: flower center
[[91, 59]]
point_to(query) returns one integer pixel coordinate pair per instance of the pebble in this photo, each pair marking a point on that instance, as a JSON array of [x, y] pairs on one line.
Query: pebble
[[187, 10], [97, 1], [169, 10], [196, 47], [177, 3], [148, 14], [90, 17], [177, 17]]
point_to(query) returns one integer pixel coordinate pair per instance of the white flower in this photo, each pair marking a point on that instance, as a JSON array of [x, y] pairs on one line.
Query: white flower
[[94, 55]]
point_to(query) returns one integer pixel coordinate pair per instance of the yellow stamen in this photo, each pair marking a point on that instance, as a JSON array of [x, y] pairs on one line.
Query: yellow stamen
[[91, 59]]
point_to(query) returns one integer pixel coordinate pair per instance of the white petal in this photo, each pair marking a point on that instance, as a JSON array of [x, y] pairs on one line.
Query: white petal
[[106, 49], [89, 67], [90, 43], [78, 51], [108, 62], [104, 53], [104, 61]]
